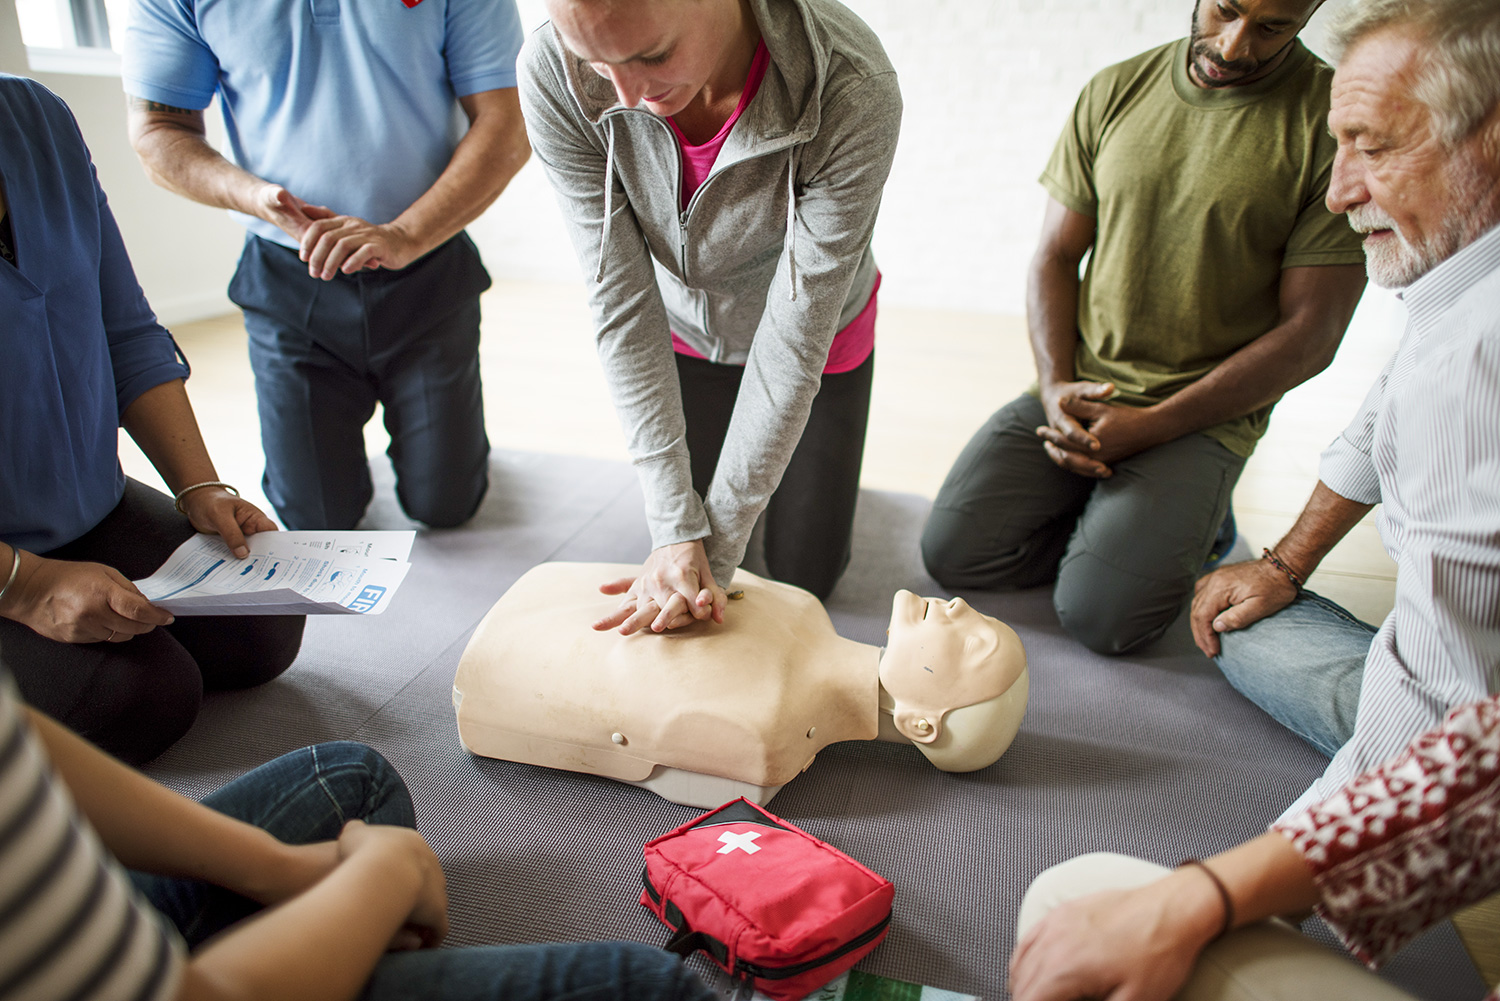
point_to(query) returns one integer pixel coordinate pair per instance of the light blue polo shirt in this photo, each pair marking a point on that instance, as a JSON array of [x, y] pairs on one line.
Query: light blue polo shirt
[[345, 103]]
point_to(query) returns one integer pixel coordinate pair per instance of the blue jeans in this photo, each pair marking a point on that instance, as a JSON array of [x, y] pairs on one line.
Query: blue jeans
[[1304, 666], [308, 795]]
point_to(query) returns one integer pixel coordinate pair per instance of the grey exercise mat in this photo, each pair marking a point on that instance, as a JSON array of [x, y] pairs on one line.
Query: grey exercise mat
[[1153, 755]]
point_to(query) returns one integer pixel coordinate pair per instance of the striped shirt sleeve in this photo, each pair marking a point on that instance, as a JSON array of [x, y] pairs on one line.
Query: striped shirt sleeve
[[1347, 466], [71, 925], [1440, 646]]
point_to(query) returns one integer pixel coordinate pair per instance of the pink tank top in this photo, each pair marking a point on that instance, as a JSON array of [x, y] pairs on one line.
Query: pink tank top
[[852, 345]]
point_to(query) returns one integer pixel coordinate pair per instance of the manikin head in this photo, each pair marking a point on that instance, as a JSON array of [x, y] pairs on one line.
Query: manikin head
[[1240, 41], [1416, 112], [657, 53], [955, 679]]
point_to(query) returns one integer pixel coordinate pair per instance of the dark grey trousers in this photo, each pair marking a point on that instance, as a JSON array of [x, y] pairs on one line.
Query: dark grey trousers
[[1124, 551]]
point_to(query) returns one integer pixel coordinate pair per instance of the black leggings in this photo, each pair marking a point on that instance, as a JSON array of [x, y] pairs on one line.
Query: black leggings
[[136, 698], [809, 521]]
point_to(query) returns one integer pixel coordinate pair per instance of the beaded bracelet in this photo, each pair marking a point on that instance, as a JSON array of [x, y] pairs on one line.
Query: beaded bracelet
[[1223, 894], [1275, 561], [177, 501]]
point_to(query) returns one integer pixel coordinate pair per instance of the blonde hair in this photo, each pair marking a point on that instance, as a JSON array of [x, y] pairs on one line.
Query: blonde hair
[[1459, 75]]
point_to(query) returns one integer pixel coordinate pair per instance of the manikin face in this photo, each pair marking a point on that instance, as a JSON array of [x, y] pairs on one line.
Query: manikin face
[[956, 679], [930, 629], [1417, 200], [944, 654], [1239, 41], [656, 53]]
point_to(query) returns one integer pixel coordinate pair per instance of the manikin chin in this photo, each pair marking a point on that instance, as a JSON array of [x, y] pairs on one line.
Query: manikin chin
[[709, 712]]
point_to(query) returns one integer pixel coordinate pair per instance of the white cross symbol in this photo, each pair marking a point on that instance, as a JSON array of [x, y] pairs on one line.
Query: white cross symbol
[[745, 842]]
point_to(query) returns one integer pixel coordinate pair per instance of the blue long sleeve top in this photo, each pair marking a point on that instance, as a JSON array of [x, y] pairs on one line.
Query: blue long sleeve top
[[78, 342]]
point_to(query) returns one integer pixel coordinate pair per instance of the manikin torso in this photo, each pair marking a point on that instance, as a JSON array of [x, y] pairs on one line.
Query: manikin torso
[[708, 712]]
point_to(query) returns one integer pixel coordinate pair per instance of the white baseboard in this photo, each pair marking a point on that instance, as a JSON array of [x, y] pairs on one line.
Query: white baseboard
[[187, 308]]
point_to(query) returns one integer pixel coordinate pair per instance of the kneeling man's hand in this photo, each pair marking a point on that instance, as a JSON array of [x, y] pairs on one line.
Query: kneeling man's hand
[[1234, 597]]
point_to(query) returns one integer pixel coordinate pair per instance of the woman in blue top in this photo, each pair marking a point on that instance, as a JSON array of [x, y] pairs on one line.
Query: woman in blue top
[[85, 356]]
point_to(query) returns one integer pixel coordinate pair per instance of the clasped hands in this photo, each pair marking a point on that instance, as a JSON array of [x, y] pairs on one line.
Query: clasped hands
[[1086, 435], [76, 602], [675, 588], [331, 243]]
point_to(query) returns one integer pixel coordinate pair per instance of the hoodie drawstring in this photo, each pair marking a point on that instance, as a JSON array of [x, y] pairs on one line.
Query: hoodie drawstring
[[791, 216], [609, 191]]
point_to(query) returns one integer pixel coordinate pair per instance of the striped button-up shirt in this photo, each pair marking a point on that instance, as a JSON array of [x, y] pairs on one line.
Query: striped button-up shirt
[[1426, 447]]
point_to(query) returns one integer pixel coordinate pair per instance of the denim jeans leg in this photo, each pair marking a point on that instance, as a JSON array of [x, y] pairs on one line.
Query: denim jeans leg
[[300, 797], [1303, 666], [590, 971]]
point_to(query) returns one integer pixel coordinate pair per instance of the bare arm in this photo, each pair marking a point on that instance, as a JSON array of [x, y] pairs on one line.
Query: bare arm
[[1237, 596], [1052, 289], [162, 423], [485, 160], [151, 828], [1142, 943], [173, 148], [342, 903], [1315, 305], [172, 145]]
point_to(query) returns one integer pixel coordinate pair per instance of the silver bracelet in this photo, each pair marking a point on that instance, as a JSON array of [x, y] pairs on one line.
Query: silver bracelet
[[15, 568], [177, 501]]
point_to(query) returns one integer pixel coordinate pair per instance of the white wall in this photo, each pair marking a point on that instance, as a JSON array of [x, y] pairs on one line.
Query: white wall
[[987, 85]]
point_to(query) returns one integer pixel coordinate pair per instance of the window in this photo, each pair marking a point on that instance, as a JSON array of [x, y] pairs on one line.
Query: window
[[78, 36]]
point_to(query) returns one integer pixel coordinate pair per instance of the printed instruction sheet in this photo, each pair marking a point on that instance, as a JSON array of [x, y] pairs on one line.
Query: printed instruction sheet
[[286, 573]]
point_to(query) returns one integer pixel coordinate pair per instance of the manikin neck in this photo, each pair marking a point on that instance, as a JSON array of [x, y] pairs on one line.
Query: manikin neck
[[887, 722], [855, 683]]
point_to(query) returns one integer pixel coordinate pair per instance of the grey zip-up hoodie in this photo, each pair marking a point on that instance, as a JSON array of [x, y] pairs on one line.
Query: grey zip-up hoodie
[[769, 261]]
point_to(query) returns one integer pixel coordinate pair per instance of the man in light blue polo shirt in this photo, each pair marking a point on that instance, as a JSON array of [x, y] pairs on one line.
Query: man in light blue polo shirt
[[354, 176]]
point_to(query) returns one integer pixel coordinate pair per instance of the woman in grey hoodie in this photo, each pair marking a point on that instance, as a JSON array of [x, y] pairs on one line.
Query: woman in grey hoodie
[[719, 164]]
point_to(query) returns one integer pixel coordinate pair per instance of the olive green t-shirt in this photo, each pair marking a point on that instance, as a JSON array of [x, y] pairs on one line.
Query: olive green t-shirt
[[1201, 198]]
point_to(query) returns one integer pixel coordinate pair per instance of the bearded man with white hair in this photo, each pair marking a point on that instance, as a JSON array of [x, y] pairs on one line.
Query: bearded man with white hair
[[1404, 826], [1416, 112]]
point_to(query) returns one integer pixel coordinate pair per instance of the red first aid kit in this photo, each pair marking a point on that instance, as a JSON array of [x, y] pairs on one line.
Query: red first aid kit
[[766, 901]]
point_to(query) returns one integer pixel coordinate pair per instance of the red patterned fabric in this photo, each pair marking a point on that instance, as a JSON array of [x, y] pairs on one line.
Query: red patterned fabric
[[1408, 843]]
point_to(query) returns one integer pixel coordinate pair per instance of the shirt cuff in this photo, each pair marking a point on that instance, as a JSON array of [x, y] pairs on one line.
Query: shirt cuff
[[674, 512], [1349, 472]]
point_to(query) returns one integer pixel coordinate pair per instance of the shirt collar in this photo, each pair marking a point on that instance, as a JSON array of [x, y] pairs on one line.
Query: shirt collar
[[1430, 296]]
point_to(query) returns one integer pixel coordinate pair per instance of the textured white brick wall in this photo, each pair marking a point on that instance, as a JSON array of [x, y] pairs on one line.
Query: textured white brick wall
[[987, 86]]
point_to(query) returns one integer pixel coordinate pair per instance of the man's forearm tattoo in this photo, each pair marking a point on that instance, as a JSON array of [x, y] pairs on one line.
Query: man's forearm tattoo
[[141, 104]]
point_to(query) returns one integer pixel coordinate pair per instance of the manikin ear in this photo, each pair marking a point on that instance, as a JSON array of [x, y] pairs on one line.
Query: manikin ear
[[974, 737]]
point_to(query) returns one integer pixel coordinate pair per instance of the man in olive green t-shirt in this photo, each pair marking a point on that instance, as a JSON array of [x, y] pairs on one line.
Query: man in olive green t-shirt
[[1218, 280]]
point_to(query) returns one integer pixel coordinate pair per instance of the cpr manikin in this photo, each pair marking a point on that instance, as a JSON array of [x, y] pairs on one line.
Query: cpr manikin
[[711, 711]]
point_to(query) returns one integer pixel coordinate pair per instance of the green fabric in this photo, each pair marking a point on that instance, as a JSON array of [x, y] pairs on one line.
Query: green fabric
[[1201, 198]]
